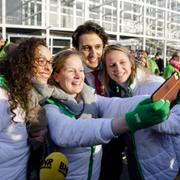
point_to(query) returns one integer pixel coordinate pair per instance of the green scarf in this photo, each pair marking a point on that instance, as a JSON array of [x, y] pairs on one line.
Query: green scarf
[[71, 115], [3, 82]]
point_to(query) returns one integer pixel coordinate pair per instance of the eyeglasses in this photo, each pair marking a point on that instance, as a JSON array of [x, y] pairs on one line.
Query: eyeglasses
[[42, 61]]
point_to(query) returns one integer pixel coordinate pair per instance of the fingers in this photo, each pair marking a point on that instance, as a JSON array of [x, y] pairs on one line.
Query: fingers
[[161, 104], [161, 109], [167, 106]]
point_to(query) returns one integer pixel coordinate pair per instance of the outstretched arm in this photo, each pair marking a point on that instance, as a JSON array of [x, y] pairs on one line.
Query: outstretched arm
[[143, 115]]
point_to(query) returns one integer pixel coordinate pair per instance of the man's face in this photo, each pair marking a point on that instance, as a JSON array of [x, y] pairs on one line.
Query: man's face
[[157, 57], [91, 46], [1, 43]]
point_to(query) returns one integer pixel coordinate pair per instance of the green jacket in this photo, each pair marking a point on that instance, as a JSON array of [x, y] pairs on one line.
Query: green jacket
[[2, 50], [168, 71], [3, 82], [153, 67]]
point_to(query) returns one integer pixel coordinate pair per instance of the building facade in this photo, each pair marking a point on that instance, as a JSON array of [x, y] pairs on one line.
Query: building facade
[[153, 25]]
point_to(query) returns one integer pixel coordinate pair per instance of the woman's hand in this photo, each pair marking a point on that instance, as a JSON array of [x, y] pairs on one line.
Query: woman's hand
[[147, 113]]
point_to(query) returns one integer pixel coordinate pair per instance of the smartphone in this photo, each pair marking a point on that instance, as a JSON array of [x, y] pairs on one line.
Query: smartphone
[[169, 90]]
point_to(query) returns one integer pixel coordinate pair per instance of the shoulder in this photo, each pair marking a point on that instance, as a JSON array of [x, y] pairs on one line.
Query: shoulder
[[148, 84], [51, 109]]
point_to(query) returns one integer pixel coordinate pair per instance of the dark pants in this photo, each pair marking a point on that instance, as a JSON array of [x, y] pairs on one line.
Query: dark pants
[[112, 164]]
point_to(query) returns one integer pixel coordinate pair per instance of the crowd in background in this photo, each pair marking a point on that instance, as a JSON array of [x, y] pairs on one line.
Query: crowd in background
[[44, 97], [156, 64]]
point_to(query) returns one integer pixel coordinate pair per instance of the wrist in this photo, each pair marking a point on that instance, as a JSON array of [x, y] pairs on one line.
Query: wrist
[[130, 122], [119, 126]]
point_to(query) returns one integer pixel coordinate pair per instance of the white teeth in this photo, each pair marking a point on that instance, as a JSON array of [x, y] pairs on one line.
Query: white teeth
[[77, 84], [119, 75]]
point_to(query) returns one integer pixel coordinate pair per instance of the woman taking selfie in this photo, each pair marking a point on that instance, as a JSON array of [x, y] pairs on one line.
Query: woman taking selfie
[[80, 121], [155, 145]]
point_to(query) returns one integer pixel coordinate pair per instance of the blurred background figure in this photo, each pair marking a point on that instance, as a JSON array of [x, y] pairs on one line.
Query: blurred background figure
[[143, 59], [160, 62], [9, 48], [3, 45], [174, 65]]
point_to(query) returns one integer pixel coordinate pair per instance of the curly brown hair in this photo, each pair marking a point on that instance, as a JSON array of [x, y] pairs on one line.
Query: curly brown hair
[[87, 28], [17, 69]]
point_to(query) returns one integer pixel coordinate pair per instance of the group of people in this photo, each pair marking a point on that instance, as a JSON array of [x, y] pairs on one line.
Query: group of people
[[155, 65], [92, 95]]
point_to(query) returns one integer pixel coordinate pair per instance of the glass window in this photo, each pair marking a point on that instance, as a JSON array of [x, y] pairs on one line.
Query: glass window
[[61, 42], [127, 6], [67, 21]]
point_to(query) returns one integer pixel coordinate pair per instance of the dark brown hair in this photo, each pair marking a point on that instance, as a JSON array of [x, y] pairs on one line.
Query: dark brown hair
[[87, 28], [17, 69]]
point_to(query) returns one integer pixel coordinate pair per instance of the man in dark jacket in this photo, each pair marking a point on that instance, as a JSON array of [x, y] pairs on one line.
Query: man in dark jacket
[[159, 62]]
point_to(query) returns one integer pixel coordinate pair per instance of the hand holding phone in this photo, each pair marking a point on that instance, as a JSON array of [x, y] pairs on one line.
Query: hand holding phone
[[168, 90]]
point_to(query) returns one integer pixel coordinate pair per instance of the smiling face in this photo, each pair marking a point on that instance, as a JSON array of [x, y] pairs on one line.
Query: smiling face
[[118, 66], [91, 46], [71, 76], [43, 64]]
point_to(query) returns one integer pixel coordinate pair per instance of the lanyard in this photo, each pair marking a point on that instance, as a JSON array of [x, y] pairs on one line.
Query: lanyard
[[70, 114]]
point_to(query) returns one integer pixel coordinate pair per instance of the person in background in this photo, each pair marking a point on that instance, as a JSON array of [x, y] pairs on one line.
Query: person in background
[[79, 121], [150, 64], [173, 66], [3, 45], [155, 145], [90, 39], [142, 58], [160, 62]]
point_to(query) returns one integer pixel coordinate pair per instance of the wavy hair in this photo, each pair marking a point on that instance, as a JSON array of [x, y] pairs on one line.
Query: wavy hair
[[17, 68], [89, 27]]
